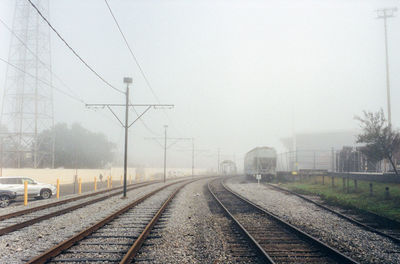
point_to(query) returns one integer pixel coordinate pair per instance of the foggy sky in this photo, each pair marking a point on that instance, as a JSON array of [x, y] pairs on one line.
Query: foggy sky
[[235, 70]]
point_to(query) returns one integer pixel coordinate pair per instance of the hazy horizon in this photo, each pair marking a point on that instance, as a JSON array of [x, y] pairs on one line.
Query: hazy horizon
[[238, 72]]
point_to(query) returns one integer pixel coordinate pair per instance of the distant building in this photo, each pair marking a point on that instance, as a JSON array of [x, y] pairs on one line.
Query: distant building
[[314, 150]]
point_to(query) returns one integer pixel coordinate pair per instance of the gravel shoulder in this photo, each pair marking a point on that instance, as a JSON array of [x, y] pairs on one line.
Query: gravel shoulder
[[361, 245]]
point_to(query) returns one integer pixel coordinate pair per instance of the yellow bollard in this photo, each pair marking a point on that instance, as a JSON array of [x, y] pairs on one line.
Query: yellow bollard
[[80, 186], [108, 182], [25, 193], [95, 184], [111, 181], [58, 188]]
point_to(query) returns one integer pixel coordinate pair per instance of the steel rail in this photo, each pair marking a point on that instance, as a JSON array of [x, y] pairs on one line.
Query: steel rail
[[258, 247], [335, 254], [66, 244], [49, 205], [130, 255], [35, 220], [350, 219]]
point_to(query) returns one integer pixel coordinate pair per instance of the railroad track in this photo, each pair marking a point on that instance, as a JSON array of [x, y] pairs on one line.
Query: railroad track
[[20, 219], [118, 237], [276, 240], [369, 221]]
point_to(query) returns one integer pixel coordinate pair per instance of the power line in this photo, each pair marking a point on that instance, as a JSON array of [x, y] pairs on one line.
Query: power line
[[136, 61], [144, 123], [73, 96], [131, 52], [36, 56], [73, 51], [137, 64], [46, 83]]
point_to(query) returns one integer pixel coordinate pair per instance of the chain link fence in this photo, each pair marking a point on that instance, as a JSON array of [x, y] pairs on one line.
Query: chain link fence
[[347, 159]]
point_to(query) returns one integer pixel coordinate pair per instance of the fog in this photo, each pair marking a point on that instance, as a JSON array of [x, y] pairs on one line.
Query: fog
[[241, 74]]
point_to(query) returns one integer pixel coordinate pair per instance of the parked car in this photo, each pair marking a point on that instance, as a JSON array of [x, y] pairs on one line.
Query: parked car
[[35, 189], [6, 197]]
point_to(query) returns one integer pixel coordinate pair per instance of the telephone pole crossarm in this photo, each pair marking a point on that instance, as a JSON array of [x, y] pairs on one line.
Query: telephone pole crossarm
[[109, 108], [126, 126], [155, 106], [139, 116], [166, 147], [148, 107]]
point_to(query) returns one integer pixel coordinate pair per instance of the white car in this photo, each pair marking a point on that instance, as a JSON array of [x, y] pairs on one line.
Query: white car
[[35, 189]]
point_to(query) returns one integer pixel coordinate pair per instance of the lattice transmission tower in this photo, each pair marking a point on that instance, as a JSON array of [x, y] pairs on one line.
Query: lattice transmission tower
[[27, 108]]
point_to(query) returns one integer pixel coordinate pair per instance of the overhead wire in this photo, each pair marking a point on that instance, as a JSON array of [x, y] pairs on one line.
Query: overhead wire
[[131, 52], [144, 123], [55, 88], [136, 61], [36, 56], [72, 96], [46, 83], [72, 50]]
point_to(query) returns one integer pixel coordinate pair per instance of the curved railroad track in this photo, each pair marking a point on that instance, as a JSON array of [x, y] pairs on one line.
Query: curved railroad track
[[118, 237], [23, 218], [373, 223], [276, 240]]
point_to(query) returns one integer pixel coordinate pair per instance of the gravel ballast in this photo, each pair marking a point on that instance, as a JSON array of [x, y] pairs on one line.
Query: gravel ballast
[[192, 230], [361, 245], [125, 228], [21, 245]]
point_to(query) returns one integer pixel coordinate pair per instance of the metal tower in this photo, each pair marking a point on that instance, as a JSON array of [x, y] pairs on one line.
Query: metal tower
[[27, 108]]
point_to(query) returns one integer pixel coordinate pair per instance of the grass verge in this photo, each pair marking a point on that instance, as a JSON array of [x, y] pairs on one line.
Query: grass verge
[[351, 197]]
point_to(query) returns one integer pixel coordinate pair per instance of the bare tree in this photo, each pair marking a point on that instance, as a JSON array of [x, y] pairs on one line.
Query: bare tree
[[381, 141]]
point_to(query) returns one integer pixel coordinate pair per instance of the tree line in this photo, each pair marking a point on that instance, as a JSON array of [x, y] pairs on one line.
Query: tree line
[[74, 147], [77, 147]]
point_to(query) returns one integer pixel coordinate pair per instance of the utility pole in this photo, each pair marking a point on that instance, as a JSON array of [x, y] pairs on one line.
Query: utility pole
[[126, 126], [128, 81], [385, 14], [192, 157], [165, 152], [167, 147], [194, 150], [218, 163]]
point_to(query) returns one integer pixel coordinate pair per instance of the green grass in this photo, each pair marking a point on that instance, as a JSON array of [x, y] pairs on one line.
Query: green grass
[[355, 199]]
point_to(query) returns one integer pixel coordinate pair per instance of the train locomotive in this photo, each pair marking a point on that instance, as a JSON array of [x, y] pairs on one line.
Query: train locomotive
[[260, 161]]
